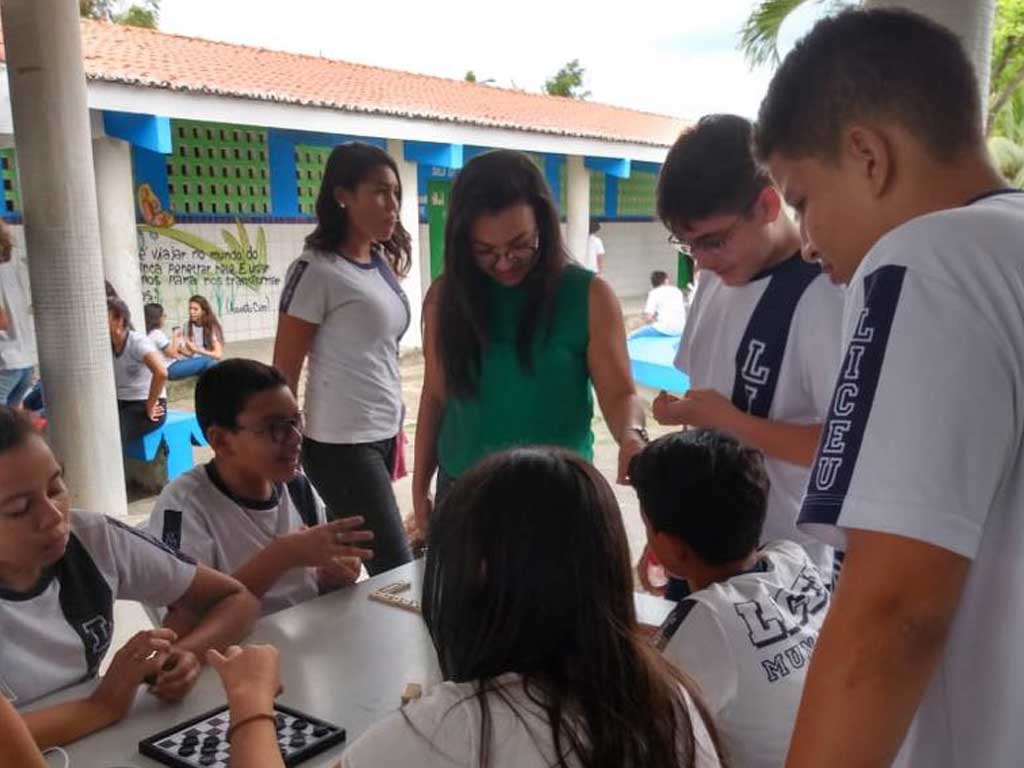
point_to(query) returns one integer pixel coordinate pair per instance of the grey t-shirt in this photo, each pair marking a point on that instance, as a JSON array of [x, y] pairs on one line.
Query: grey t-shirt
[[353, 393], [131, 374], [17, 343]]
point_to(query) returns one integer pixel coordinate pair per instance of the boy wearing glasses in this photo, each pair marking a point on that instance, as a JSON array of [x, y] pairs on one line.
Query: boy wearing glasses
[[761, 345], [249, 512]]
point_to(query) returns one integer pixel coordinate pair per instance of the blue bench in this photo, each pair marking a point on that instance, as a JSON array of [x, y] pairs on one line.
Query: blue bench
[[180, 432], [652, 361]]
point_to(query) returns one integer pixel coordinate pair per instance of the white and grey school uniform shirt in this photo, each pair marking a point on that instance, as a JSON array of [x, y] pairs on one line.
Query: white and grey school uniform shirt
[[747, 642], [924, 440], [18, 342], [353, 392], [442, 730], [162, 343], [132, 376], [772, 346], [198, 515], [56, 634]]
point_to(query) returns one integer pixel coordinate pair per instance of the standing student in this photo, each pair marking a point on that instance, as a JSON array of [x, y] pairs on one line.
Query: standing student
[[61, 571], [761, 343], [595, 249], [342, 307], [17, 332], [515, 335], [139, 375], [872, 130]]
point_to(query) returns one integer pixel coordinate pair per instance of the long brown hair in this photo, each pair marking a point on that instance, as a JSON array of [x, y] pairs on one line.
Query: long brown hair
[[210, 324], [488, 184], [528, 572], [347, 166]]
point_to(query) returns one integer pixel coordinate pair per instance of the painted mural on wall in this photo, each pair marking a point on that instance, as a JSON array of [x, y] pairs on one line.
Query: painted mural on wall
[[177, 263]]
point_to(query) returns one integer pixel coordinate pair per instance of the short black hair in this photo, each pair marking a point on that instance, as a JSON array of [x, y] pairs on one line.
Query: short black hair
[[871, 64], [223, 390], [15, 428], [658, 277], [152, 313], [710, 170], [706, 489], [595, 226]]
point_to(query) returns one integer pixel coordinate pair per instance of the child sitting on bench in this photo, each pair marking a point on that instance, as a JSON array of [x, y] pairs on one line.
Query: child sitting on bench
[[249, 512], [61, 571]]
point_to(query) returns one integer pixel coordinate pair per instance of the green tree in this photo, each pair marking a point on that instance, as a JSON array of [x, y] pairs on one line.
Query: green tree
[[759, 37], [470, 76], [568, 82], [143, 14]]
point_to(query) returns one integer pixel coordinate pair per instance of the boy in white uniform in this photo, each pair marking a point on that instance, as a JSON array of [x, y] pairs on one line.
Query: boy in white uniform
[[61, 571], [249, 512], [919, 476], [761, 344], [747, 630], [665, 309]]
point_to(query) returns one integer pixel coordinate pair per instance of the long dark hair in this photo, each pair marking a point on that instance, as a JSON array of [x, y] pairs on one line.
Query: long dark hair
[[488, 184], [528, 572], [347, 167], [210, 325]]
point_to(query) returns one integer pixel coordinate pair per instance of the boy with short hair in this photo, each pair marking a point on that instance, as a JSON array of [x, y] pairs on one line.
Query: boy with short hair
[[873, 130], [747, 630], [665, 308], [761, 343], [249, 512]]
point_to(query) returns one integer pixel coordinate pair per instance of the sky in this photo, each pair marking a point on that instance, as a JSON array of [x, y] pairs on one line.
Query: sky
[[676, 57]]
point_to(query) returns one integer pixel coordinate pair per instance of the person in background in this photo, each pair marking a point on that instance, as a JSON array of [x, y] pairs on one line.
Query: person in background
[[204, 336], [515, 335], [343, 308], [17, 333], [139, 375], [595, 249], [665, 309], [179, 365]]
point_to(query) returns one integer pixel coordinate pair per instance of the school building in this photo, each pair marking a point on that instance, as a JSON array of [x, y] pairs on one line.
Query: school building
[[208, 158]]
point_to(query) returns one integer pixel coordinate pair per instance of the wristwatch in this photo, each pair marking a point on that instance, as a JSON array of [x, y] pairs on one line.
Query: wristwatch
[[642, 432]]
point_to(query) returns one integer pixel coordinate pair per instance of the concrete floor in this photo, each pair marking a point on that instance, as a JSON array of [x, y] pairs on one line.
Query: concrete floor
[[129, 617]]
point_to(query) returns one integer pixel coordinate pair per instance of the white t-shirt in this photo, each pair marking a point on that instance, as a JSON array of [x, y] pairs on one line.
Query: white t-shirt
[[162, 343], [18, 342], [132, 376], [56, 634], [595, 248], [668, 307], [747, 642], [353, 392], [445, 732], [772, 346], [198, 515], [923, 440]]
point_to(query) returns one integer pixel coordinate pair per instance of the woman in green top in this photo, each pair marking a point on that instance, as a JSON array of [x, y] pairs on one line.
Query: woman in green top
[[515, 334]]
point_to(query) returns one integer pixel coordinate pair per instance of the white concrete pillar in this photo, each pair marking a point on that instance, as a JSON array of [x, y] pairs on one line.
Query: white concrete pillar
[[971, 20], [410, 216], [62, 239], [115, 197], [577, 202]]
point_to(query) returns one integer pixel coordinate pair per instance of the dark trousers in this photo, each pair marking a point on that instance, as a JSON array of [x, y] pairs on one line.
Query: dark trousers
[[355, 479], [134, 421]]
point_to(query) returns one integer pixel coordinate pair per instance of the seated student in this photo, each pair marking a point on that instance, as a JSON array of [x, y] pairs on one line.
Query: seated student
[[665, 310], [529, 600], [747, 629], [61, 571], [204, 337], [249, 512], [180, 362], [139, 375]]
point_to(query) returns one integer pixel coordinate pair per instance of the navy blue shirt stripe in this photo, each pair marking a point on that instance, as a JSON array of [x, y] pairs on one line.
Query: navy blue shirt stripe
[[854, 395], [288, 292], [761, 350]]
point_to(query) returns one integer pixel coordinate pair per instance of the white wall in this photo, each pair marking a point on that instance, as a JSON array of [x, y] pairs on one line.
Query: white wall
[[632, 251]]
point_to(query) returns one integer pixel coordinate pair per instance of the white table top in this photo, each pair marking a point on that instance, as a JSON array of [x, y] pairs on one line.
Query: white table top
[[344, 658]]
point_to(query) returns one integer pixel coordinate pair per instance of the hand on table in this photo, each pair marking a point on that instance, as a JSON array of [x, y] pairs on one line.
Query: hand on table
[[704, 408], [177, 675], [339, 572], [141, 657], [322, 544]]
